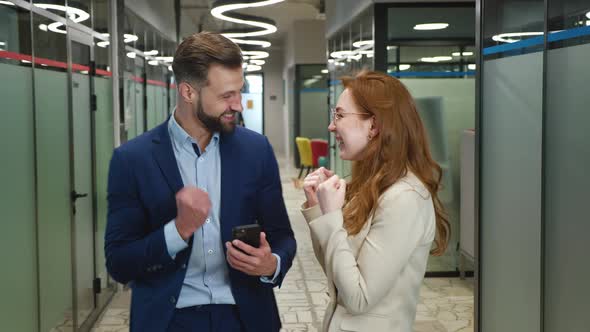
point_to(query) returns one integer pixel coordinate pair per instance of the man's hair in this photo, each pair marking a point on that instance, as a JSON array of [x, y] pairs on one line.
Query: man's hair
[[198, 52]]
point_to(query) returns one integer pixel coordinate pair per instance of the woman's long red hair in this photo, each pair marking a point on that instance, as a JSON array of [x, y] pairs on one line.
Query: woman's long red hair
[[401, 145]]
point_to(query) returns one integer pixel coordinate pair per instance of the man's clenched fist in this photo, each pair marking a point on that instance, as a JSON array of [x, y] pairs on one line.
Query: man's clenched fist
[[193, 207]]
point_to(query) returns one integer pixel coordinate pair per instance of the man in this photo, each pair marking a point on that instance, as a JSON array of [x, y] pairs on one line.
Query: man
[[176, 192]]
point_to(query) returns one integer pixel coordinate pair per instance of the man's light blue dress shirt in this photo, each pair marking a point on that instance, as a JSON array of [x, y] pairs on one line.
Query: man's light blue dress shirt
[[207, 278]]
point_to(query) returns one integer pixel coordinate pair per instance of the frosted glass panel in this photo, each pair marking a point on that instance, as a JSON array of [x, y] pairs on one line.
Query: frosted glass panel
[[567, 157], [54, 208], [129, 97], [447, 108], [510, 194], [104, 149], [17, 201], [83, 214], [139, 108], [151, 107], [314, 113]]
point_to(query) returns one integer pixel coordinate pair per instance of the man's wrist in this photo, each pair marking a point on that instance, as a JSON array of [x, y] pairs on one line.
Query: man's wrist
[[180, 230]]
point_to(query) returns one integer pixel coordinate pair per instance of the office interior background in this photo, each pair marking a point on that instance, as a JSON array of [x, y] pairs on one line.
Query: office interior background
[[503, 90]]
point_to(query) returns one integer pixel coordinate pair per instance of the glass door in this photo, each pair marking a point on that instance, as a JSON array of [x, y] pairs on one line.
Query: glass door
[[82, 193]]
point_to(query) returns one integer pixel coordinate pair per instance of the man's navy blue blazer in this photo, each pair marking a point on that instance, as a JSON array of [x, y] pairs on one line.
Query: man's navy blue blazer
[[143, 181]]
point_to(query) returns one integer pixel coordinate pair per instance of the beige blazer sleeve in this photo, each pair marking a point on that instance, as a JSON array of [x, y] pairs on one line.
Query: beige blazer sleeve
[[311, 214], [397, 228]]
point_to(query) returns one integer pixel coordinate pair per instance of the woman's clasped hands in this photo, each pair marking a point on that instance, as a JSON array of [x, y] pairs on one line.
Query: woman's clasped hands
[[325, 188]]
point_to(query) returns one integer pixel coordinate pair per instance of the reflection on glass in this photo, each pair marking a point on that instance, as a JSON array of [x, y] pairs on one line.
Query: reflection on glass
[[50, 47], [513, 21]]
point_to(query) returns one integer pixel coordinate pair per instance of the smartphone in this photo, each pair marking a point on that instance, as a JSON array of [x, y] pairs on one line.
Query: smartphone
[[249, 234]]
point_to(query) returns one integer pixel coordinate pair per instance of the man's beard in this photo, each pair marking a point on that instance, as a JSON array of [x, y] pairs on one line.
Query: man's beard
[[214, 124]]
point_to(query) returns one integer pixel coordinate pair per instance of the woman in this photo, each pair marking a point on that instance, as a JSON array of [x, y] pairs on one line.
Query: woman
[[373, 235]]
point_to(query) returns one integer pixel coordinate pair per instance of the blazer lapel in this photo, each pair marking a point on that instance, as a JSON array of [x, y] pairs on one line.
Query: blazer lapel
[[164, 156]]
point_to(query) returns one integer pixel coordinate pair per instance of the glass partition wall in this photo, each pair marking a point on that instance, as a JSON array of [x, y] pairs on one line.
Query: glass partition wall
[[57, 133], [534, 152]]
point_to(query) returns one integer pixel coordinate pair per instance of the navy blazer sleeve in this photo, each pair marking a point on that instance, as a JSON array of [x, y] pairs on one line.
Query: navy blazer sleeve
[[272, 214], [131, 250]]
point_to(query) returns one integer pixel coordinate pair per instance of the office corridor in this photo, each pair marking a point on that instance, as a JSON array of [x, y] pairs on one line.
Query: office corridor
[[445, 304]]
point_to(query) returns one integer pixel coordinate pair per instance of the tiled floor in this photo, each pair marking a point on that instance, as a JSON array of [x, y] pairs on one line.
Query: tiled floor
[[445, 304]]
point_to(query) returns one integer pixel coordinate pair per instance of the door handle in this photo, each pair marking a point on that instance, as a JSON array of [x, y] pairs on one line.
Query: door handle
[[75, 195]]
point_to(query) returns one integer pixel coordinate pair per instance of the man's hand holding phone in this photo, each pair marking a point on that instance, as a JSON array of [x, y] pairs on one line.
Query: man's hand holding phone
[[251, 260]]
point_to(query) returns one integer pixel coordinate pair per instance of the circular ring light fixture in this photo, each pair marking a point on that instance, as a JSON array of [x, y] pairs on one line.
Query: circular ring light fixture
[[75, 14], [257, 26]]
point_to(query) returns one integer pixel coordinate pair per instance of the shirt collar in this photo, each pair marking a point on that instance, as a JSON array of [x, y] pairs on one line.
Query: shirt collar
[[182, 138]]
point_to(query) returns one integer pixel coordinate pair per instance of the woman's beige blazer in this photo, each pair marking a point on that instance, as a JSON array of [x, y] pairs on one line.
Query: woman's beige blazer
[[374, 277]]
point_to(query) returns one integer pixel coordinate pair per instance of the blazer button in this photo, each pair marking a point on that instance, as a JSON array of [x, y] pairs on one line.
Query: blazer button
[[172, 299]]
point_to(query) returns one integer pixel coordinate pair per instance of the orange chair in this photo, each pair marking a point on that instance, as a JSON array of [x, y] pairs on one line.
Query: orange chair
[[304, 149]]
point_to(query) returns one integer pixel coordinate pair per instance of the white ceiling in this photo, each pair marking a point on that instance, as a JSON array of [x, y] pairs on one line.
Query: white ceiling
[[196, 12]]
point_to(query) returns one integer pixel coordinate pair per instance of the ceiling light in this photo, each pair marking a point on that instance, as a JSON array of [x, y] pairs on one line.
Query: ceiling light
[[464, 53], [588, 14], [257, 62], [85, 72], [8, 3], [362, 43], [330, 60], [436, 59], [244, 65], [368, 53], [355, 57], [25, 61], [389, 48], [170, 68], [261, 43], [404, 67], [431, 26], [75, 14], [152, 52], [43, 27], [341, 54], [256, 54], [325, 71], [505, 37], [153, 62], [251, 68], [2, 43], [131, 55], [266, 28], [165, 58], [471, 66]]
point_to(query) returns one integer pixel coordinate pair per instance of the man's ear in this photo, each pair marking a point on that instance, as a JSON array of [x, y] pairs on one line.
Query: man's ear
[[187, 93]]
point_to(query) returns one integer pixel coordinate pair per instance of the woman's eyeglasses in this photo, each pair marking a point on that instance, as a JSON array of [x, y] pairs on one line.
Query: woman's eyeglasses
[[335, 115]]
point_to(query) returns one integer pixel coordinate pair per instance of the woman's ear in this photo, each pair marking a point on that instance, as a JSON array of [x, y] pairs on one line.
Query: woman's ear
[[373, 131]]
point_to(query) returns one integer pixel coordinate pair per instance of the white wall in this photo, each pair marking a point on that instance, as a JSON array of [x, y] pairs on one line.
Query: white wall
[[306, 43], [158, 13], [274, 110], [341, 12]]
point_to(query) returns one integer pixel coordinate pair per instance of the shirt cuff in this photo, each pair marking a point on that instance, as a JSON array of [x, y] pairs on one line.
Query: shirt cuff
[[174, 242], [277, 272]]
